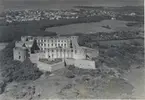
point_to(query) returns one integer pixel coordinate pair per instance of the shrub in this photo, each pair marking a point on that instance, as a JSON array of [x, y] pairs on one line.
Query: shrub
[[2, 86], [69, 74], [71, 67], [68, 86], [27, 71], [34, 47], [86, 78], [47, 73]]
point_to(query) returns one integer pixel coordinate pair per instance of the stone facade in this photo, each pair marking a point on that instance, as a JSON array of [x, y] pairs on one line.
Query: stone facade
[[50, 48], [54, 47], [56, 42], [75, 53], [20, 54], [81, 63]]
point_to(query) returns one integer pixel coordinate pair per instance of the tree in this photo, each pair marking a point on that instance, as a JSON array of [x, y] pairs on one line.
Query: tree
[[71, 44], [34, 47], [65, 63]]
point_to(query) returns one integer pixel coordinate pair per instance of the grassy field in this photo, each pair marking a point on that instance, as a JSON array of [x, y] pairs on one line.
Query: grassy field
[[94, 27]]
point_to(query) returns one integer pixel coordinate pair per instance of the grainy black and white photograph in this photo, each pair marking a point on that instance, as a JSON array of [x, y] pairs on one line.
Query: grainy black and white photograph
[[72, 49]]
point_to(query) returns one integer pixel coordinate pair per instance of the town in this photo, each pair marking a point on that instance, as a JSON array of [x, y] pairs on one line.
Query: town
[[78, 12]]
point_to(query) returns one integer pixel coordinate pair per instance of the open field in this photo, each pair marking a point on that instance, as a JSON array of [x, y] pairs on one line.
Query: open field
[[93, 27]]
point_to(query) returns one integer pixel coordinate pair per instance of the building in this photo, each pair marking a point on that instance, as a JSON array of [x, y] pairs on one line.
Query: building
[[75, 53], [49, 48], [57, 42], [20, 53]]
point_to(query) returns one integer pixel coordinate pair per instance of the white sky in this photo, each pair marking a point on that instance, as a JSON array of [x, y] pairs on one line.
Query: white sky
[[58, 4]]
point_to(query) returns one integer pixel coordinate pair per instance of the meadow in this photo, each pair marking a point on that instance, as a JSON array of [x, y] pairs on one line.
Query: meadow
[[94, 27]]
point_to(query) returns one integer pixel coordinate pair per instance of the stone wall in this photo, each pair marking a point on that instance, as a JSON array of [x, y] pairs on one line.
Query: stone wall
[[34, 58], [50, 67], [84, 64], [44, 66], [57, 66]]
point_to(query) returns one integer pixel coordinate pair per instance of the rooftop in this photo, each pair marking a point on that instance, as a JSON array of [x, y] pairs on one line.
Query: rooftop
[[20, 48], [55, 37]]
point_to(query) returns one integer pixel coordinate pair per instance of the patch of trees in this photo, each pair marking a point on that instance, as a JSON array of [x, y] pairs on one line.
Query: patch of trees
[[92, 40], [123, 56], [88, 40], [121, 35], [34, 47], [131, 18], [14, 70]]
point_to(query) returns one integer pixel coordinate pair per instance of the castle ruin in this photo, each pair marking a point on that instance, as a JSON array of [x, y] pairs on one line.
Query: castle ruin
[[50, 48]]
